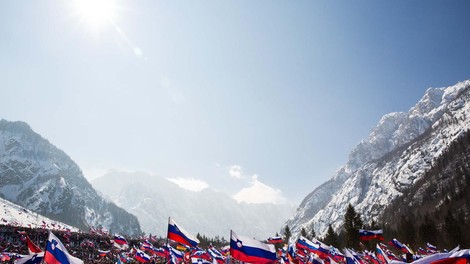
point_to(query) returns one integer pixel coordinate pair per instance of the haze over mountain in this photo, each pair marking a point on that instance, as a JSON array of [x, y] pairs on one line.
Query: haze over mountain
[[42, 178], [153, 199], [396, 155]]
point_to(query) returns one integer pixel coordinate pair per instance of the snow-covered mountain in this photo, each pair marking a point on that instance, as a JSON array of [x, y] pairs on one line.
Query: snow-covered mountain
[[42, 178], [15, 215], [153, 199], [397, 153]]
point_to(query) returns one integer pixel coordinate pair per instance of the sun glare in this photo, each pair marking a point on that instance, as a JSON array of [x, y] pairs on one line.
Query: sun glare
[[96, 14]]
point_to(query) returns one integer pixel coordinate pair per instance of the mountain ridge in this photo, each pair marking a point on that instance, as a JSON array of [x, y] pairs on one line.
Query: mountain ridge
[[376, 164], [155, 199], [39, 176]]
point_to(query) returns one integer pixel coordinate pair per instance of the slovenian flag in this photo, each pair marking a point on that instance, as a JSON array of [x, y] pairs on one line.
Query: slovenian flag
[[31, 259], [381, 255], [215, 254], [366, 235], [431, 248], [350, 258], [274, 240], [120, 242], [315, 246], [400, 246], [56, 253], [249, 250], [178, 234], [158, 251], [140, 256], [103, 253], [200, 261]]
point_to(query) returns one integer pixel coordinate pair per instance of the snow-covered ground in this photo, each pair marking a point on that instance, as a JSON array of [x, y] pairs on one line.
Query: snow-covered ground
[[12, 214]]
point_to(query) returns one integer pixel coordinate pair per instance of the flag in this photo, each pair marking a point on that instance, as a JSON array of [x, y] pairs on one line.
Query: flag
[[250, 250], [158, 251], [178, 234], [120, 242], [336, 255], [366, 235], [145, 245], [314, 246], [350, 258], [32, 248], [140, 256], [200, 261], [431, 248], [381, 255], [175, 254], [274, 240], [31, 259], [400, 246], [201, 254], [314, 259], [216, 255], [103, 253], [56, 253]]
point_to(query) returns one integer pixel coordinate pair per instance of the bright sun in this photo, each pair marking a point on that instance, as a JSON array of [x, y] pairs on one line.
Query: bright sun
[[96, 14]]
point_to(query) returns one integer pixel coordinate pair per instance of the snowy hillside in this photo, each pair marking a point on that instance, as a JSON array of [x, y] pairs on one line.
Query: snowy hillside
[[15, 215], [40, 177], [394, 156], [153, 199]]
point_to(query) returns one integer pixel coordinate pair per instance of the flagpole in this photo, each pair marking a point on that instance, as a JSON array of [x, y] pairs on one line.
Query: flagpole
[[167, 245], [45, 250], [230, 248]]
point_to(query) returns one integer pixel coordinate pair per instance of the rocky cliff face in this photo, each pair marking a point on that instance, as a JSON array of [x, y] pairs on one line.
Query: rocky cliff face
[[40, 177], [396, 154]]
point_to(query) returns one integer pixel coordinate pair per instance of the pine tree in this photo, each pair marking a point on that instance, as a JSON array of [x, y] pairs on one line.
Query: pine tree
[[452, 230], [331, 237], [351, 226], [407, 230], [312, 232], [287, 234], [303, 232], [427, 231]]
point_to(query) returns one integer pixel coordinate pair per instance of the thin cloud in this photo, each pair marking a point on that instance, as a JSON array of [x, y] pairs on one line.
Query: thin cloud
[[259, 193], [235, 171], [190, 184]]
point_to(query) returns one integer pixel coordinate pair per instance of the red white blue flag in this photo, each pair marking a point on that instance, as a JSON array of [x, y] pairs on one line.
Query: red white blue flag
[[140, 256], [250, 250], [36, 258], [314, 246], [381, 255], [56, 253], [366, 235], [274, 240], [404, 248], [178, 234]]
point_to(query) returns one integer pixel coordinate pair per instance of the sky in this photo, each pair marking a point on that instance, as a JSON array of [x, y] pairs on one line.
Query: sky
[[263, 100]]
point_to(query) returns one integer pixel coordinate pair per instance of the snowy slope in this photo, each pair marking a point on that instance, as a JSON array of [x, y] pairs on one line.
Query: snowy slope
[[38, 176], [396, 154], [12, 214]]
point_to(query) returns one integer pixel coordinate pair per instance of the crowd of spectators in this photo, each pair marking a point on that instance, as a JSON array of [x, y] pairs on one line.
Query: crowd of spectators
[[89, 247]]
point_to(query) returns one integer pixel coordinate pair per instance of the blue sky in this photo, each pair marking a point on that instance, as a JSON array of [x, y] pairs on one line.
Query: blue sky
[[246, 97]]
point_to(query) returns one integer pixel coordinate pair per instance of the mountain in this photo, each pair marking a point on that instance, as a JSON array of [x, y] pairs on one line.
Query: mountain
[[153, 199], [42, 178], [395, 156], [436, 208], [13, 214]]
